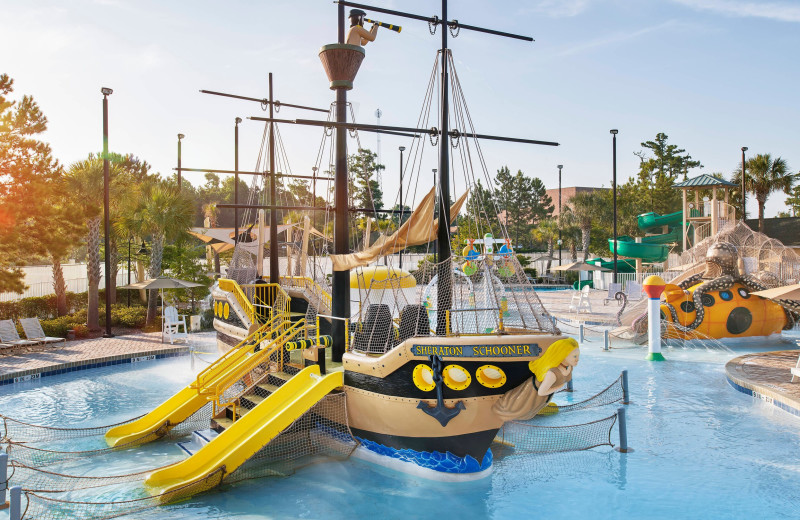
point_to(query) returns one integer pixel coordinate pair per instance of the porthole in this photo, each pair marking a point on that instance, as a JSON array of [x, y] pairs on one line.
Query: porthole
[[744, 293], [726, 295], [456, 377], [423, 378], [226, 310], [708, 300], [687, 307], [490, 376]]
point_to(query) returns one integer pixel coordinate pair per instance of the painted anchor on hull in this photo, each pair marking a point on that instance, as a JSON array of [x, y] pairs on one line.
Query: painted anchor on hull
[[440, 412]]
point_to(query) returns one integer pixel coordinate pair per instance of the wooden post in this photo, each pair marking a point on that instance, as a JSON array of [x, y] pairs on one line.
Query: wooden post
[[685, 209], [304, 250], [367, 233], [260, 255], [714, 212]]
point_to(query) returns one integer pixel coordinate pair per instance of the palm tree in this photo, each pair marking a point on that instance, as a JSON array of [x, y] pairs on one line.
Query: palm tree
[[163, 213], [584, 212], [546, 231], [85, 180], [764, 177]]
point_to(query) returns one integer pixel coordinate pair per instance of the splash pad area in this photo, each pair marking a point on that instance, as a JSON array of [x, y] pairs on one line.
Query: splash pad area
[[698, 446]]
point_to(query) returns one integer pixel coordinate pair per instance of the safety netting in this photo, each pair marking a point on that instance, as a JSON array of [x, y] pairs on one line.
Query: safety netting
[[526, 437], [319, 434]]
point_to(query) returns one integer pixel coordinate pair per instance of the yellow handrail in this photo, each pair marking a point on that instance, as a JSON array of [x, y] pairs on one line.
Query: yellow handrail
[[218, 386], [304, 282], [232, 356], [232, 287]]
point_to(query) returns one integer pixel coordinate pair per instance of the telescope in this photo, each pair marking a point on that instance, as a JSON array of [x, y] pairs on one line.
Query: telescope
[[395, 28]]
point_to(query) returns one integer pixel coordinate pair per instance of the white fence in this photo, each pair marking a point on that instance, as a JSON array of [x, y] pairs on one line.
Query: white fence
[[76, 285]]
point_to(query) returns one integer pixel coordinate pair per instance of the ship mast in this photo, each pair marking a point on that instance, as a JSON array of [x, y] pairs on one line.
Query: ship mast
[[444, 297]]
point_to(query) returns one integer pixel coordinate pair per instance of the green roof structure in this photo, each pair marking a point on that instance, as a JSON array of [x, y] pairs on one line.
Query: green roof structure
[[704, 181]]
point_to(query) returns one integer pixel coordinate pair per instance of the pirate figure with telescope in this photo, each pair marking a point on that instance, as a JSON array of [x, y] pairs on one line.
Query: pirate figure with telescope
[[360, 36]]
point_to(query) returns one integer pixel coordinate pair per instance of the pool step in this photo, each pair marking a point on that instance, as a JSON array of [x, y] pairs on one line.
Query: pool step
[[199, 439]]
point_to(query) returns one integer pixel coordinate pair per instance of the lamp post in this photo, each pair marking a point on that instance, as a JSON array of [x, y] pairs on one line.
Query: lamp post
[[236, 179], [180, 136], [106, 216], [744, 207], [614, 132], [559, 213], [400, 222]]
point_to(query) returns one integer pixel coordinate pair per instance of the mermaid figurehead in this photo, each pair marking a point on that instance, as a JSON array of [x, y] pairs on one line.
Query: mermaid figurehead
[[550, 372], [564, 352]]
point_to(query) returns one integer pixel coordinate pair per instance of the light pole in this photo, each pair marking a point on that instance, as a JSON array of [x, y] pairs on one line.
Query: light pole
[[744, 207], [236, 179], [106, 216], [400, 222], [614, 132], [180, 136], [559, 213]]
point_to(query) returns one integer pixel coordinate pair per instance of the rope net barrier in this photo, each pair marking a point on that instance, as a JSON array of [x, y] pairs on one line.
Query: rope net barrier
[[322, 433], [517, 437], [24, 432]]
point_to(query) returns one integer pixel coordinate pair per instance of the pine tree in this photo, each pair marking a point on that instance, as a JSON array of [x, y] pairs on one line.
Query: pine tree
[[28, 176]]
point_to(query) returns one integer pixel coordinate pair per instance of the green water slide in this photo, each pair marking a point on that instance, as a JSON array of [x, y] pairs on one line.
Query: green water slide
[[652, 248]]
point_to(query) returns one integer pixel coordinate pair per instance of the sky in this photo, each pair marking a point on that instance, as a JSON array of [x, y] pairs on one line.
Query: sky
[[714, 75]]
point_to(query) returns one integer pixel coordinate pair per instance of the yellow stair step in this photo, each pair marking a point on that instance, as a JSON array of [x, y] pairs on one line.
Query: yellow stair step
[[266, 386]]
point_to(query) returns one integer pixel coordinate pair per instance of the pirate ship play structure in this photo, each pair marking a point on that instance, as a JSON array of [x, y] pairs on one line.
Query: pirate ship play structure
[[426, 359], [428, 371]]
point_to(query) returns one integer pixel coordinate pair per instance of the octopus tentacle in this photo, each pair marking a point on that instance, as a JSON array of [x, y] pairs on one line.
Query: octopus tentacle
[[672, 312], [717, 284], [620, 296], [691, 281], [752, 283]]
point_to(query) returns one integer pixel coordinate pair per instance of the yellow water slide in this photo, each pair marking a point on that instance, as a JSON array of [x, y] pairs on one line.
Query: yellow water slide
[[209, 382], [245, 437]]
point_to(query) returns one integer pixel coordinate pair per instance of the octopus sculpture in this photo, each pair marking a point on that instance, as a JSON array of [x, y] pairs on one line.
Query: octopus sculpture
[[717, 303]]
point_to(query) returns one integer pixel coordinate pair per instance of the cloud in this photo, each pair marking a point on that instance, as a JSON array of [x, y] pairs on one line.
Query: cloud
[[782, 12], [615, 38], [558, 8]]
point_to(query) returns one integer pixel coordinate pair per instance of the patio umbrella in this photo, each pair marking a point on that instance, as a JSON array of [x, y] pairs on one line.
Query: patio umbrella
[[787, 292], [161, 283], [544, 258], [579, 266]]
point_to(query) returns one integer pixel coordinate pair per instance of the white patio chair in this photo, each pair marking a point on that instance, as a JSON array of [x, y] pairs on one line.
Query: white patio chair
[[633, 291], [580, 300], [172, 326], [10, 336], [33, 331], [613, 289]]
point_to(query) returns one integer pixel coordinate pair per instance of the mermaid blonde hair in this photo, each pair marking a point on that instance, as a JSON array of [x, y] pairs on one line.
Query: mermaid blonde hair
[[552, 357]]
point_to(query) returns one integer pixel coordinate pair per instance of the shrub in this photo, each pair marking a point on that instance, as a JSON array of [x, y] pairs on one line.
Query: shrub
[[81, 330], [58, 327], [207, 319]]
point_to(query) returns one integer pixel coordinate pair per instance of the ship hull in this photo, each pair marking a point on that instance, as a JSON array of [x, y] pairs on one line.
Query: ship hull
[[385, 406]]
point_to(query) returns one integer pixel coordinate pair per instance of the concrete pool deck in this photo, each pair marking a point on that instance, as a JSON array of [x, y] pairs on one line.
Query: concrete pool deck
[[92, 353], [767, 376]]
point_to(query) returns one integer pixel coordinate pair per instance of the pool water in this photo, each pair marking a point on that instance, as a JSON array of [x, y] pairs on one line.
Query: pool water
[[702, 450]]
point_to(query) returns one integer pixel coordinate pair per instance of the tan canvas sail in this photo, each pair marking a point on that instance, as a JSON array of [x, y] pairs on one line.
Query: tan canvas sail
[[420, 228]]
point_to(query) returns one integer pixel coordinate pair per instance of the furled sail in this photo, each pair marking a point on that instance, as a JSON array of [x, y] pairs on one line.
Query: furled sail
[[420, 228]]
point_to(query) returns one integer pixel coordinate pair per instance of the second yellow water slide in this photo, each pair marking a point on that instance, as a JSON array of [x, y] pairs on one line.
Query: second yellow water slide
[[245, 437], [210, 382]]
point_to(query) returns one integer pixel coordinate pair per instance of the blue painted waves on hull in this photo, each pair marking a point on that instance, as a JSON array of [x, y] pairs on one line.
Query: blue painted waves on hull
[[437, 461]]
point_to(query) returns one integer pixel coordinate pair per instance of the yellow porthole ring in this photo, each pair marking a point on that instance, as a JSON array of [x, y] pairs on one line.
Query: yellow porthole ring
[[456, 377], [423, 378], [490, 376], [216, 308], [226, 310]]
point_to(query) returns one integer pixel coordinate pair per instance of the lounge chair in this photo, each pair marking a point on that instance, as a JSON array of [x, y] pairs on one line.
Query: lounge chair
[[10, 336], [33, 331], [580, 300], [172, 326], [633, 291], [613, 289]]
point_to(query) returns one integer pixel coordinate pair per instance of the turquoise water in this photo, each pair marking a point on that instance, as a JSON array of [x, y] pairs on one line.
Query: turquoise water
[[702, 450]]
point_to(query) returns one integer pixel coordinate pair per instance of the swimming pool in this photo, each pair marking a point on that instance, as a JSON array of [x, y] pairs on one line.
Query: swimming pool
[[702, 449]]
